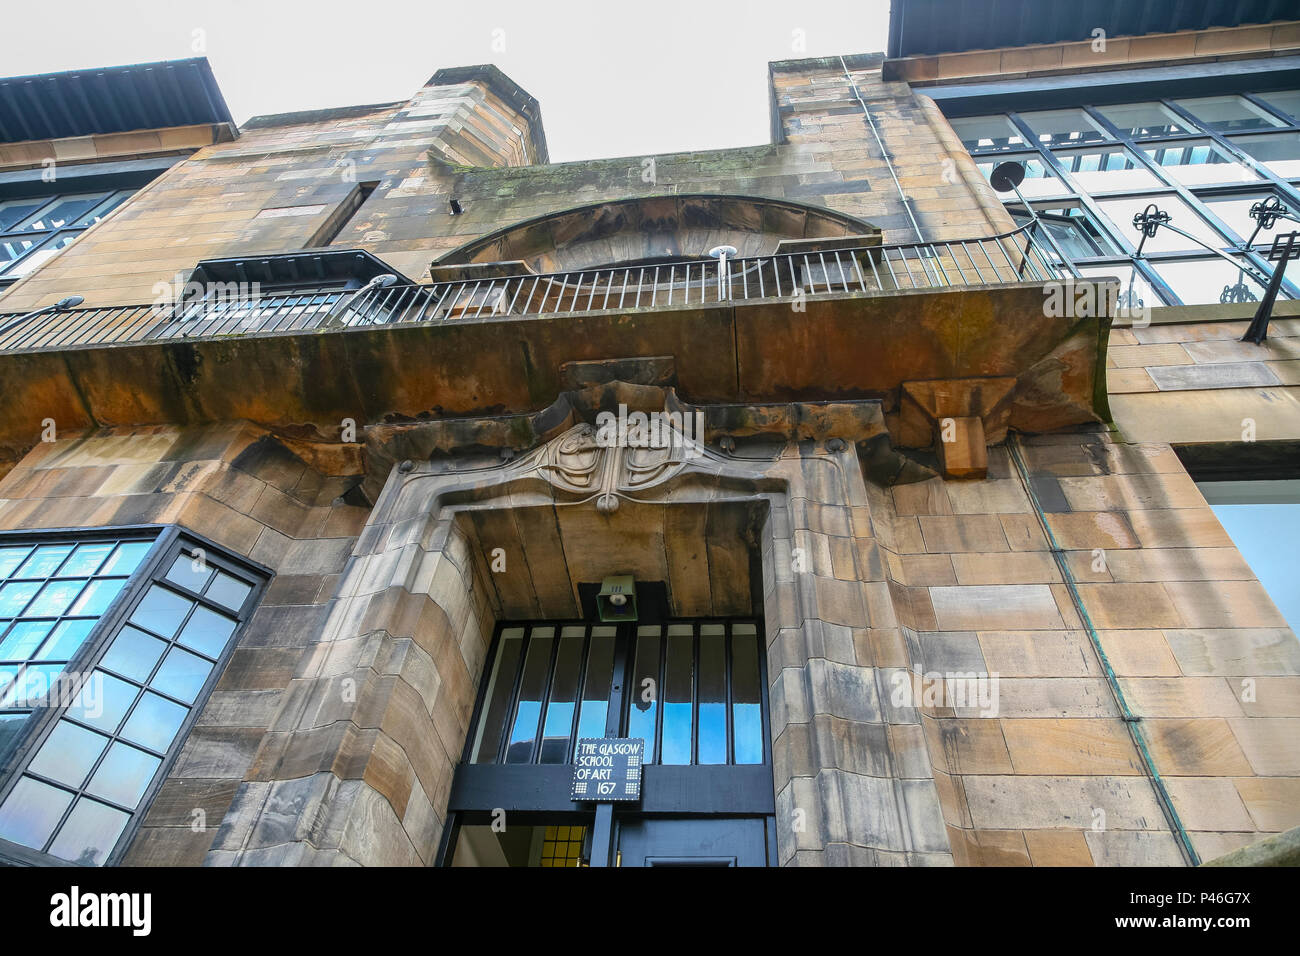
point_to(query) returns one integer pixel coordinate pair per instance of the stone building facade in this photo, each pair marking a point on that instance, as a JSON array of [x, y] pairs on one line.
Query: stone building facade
[[360, 360]]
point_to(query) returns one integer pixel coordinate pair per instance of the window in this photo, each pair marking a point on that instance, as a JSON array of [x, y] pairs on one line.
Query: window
[[1263, 520], [694, 692], [1121, 211], [1141, 120], [1135, 293], [1064, 127], [1228, 114], [34, 229], [1201, 281], [1074, 230], [1279, 152], [140, 629], [1198, 163], [988, 133], [1204, 160], [1106, 168], [52, 593], [1234, 210], [1039, 180], [1287, 103]]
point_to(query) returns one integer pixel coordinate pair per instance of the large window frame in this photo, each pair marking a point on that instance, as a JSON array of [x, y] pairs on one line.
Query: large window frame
[[47, 239], [536, 793], [627, 640], [1122, 235], [169, 542]]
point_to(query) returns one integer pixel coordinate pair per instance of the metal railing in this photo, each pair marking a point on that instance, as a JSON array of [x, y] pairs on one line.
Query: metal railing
[[1017, 256]]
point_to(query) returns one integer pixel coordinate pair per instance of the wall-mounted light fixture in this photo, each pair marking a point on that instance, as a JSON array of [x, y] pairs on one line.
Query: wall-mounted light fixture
[[617, 599], [68, 302]]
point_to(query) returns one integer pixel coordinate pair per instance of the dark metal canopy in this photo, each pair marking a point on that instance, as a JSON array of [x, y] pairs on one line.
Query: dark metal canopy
[[306, 268], [923, 27], [113, 99]]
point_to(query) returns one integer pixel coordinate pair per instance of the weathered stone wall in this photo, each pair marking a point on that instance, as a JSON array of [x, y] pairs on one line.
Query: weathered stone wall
[[1198, 382], [249, 493], [271, 190], [1052, 777]]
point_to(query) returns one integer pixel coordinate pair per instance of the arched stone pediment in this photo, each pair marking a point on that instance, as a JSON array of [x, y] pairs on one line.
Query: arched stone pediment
[[659, 227]]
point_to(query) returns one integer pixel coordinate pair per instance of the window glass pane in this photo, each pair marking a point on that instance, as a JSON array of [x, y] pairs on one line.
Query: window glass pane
[[228, 591], [103, 701], [181, 675], [54, 598], [62, 212], [86, 559], [1288, 102], [1143, 119], [155, 722], [8, 679], [13, 211], [1112, 167], [32, 685], [189, 572], [207, 631], [596, 688], [1064, 127], [23, 639], [1038, 181], [746, 694], [1122, 211], [15, 595], [124, 775], [1228, 113], [127, 557], [643, 707], [65, 640], [161, 611], [10, 558], [1280, 154], [1199, 281], [987, 133], [99, 212], [500, 686], [68, 754], [31, 812], [1198, 163], [1135, 293], [1263, 520], [1072, 228], [564, 696], [133, 654], [1234, 210], [89, 833], [98, 595], [12, 250], [678, 692], [10, 726], [47, 250], [44, 561], [528, 714], [713, 694]]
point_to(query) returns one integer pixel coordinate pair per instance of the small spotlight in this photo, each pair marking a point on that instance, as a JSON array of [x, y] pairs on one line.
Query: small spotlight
[[617, 599]]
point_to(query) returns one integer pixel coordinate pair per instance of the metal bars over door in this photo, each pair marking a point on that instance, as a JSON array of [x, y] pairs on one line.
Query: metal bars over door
[[693, 690]]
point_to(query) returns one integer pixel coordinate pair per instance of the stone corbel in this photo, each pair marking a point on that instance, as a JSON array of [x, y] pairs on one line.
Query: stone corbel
[[959, 418]]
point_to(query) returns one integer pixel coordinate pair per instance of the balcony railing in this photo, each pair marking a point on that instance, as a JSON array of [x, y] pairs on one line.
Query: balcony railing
[[1018, 256]]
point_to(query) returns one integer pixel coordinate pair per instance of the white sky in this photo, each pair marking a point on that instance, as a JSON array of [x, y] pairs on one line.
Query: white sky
[[614, 78]]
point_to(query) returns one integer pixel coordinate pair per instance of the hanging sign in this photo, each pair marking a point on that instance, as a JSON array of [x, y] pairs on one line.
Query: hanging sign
[[607, 768]]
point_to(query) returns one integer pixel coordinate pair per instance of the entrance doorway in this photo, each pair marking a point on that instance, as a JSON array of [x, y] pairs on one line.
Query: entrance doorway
[[694, 690]]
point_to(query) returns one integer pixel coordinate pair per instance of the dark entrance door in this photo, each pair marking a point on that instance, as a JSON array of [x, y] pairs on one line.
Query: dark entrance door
[[693, 690], [701, 841]]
